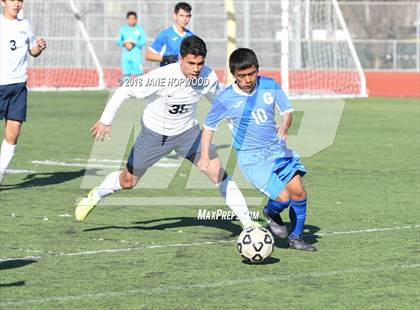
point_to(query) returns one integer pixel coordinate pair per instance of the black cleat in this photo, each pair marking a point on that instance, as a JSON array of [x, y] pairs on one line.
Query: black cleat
[[275, 224], [300, 244]]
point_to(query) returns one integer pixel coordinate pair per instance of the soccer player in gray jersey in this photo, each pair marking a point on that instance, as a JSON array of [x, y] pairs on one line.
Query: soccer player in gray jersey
[[168, 123]]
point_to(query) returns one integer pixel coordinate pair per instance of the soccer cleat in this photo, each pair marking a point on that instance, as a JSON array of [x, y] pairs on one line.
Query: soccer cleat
[[252, 224], [86, 205], [300, 244], [275, 224]]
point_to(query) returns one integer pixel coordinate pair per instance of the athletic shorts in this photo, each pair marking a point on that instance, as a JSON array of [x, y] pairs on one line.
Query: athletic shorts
[[270, 169], [150, 147], [13, 101]]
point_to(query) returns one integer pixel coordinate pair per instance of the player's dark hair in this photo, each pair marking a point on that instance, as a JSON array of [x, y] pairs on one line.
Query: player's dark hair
[[242, 59], [182, 6], [193, 45], [129, 13]]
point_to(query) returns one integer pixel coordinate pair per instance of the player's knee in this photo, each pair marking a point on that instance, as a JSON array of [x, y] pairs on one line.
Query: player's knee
[[283, 196], [299, 195], [11, 135]]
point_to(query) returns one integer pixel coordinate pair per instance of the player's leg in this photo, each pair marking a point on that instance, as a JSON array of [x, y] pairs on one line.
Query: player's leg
[[126, 68], [137, 68], [13, 103], [188, 146], [230, 192], [146, 151], [273, 210], [257, 167], [297, 213], [8, 146]]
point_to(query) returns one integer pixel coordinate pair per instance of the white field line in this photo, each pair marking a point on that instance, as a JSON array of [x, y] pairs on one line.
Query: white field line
[[164, 159], [18, 171], [39, 254], [210, 285], [90, 165]]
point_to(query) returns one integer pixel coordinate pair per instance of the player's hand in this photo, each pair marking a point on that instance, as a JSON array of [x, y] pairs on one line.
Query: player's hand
[[282, 132], [168, 59], [128, 45], [100, 131], [42, 44], [203, 163]]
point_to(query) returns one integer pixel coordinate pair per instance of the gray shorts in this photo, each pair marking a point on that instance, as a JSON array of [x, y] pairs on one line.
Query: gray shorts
[[150, 147]]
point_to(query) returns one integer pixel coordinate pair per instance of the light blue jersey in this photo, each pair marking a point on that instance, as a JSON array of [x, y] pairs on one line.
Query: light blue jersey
[[131, 61], [263, 158], [252, 115], [168, 42]]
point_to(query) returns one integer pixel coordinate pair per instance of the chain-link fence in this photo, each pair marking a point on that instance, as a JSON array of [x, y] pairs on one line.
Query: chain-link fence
[[385, 33]]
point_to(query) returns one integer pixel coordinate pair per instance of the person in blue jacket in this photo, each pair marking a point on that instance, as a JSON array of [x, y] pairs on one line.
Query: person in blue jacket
[[131, 38]]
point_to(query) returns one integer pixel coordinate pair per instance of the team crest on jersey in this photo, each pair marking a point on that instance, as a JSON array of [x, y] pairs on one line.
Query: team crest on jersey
[[268, 98], [238, 104]]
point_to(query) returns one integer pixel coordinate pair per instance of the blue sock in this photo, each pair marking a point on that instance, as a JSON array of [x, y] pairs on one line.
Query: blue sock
[[297, 215], [275, 207]]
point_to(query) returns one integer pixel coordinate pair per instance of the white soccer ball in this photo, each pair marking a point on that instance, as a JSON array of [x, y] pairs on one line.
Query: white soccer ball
[[255, 244]]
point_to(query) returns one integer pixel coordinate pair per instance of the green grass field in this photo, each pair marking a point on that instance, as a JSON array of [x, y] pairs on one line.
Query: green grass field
[[146, 250]]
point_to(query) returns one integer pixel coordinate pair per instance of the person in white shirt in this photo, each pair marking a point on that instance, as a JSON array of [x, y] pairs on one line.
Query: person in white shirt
[[16, 41], [171, 95]]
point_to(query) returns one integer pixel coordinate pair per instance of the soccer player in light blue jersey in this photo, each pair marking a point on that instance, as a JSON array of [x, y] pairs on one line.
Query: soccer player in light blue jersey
[[166, 46], [250, 104], [131, 38]]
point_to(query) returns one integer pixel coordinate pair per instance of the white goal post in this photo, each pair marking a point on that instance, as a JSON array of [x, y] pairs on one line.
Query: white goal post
[[318, 58]]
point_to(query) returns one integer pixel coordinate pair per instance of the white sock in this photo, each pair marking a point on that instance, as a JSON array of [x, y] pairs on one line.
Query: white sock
[[234, 200], [110, 185], [6, 154]]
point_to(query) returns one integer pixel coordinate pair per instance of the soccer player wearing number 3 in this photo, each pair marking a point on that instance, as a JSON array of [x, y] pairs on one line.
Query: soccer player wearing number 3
[[171, 95], [16, 40], [165, 48], [263, 156]]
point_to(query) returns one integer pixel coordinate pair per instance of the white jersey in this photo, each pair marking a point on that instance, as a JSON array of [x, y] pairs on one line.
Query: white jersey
[[171, 99], [16, 38]]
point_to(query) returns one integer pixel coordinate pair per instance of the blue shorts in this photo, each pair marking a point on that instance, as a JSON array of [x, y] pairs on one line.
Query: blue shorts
[[131, 67], [271, 168], [13, 101]]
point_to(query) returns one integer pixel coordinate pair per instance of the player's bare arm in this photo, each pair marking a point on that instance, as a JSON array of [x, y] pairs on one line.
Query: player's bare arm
[[102, 128], [41, 45], [283, 128], [206, 137], [151, 56]]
